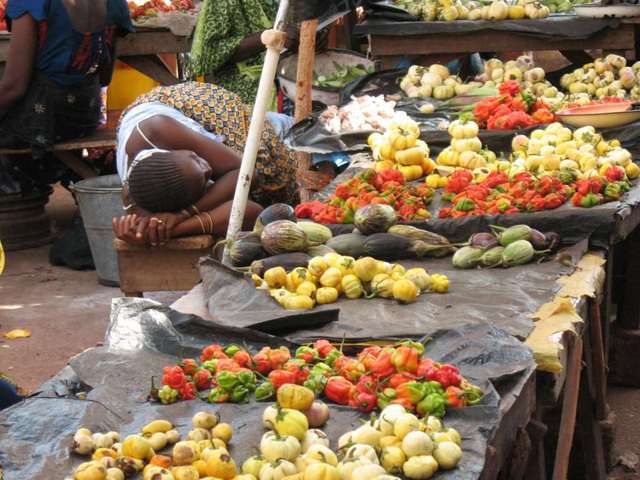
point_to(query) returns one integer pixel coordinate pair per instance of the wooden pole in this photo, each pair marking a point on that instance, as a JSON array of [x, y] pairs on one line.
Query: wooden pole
[[304, 85]]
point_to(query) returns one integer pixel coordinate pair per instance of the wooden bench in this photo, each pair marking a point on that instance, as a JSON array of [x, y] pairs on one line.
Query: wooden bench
[[70, 152], [170, 268]]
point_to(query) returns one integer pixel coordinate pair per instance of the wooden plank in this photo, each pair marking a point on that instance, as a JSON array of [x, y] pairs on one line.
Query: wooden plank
[[569, 411], [622, 38], [159, 270], [195, 242], [152, 43], [598, 359], [101, 138]]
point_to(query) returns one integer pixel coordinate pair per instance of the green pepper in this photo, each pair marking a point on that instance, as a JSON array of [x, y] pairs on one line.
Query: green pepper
[[321, 369], [415, 345], [465, 205], [306, 353], [240, 394], [472, 393], [265, 391], [385, 397], [217, 395], [227, 380], [246, 378], [433, 404], [333, 356], [231, 349], [167, 395], [210, 365], [613, 191], [316, 383]]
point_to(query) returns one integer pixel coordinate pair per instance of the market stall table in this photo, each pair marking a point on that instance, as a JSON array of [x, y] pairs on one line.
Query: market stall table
[[391, 40], [139, 50]]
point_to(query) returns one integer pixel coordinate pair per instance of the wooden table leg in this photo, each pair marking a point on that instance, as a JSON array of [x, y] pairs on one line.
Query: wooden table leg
[[590, 432], [577, 57], [569, 409], [536, 468], [75, 163], [598, 359]]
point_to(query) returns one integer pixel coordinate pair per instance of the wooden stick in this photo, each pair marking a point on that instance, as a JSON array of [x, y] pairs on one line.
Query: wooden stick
[[569, 410], [599, 366], [304, 85]]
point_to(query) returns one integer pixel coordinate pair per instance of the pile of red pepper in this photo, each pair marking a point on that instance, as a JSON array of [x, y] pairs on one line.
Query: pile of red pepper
[[596, 191], [369, 187], [153, 7], [512, 109], [376, 377], [498, 194]]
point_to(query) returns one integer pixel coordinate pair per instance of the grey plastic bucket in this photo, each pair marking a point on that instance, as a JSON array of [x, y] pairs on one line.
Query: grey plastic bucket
[[100, 199]]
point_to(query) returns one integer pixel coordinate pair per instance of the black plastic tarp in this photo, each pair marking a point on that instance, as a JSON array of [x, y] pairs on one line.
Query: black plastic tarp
[[501, 297], [36, 435]]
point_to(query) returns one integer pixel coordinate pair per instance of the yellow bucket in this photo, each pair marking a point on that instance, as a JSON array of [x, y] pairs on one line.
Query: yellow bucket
[[127, 85]]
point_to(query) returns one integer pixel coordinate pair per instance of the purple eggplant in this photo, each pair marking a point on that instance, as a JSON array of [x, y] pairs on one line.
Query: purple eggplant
[[483, 240], [538, 240], [553, 241]]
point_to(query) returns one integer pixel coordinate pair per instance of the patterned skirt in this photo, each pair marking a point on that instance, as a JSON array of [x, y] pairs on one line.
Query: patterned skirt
[[223, 113], [48, 114]]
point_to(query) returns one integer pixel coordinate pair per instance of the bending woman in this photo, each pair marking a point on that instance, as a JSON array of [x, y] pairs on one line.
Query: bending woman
[[179, 154]]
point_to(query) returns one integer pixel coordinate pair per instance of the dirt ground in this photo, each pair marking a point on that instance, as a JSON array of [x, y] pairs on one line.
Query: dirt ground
[[68, 311]]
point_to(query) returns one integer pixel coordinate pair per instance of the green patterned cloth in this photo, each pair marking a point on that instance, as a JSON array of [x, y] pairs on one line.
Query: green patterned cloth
[[222, 25]]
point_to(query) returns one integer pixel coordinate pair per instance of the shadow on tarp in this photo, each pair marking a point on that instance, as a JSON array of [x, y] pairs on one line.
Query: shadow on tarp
[[36, 435]]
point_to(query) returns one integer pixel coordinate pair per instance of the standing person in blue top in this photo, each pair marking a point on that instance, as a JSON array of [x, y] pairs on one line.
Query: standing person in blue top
[[61, 54]]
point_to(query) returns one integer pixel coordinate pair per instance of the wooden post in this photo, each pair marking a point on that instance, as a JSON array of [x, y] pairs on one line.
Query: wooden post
[[304, 85]]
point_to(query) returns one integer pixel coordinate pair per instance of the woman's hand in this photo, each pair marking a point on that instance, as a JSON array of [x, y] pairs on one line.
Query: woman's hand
[[126, 228], [160, 226]]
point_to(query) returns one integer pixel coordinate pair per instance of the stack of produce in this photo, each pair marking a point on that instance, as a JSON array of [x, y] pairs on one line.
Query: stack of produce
[[343, 76], [376, 377], [582, 153], [512, 110], [153, 8], [562, 6], [604, 77], [448, 10], [400, 148], [422, 82], [466, 149], [326, 278], [386, 187], [505, 247], [364, 113]]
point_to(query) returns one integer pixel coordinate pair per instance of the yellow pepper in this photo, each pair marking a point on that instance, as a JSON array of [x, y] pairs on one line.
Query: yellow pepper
[[403, 135], [410, 156], [276, 277], [326, 295], [405, 291], [351, 286], [384, 165], [296, 397], [439, 283], [433, 180], [411, 173], [298, 302], [633, 171], [428, 166]]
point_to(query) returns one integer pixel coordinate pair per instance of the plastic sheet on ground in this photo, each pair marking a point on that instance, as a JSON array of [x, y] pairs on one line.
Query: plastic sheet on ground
[[503, 298], [143, 336], [600, 223]]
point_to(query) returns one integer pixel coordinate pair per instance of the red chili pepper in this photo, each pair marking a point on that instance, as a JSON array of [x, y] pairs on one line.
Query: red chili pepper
[[202, 379], [348, 367], [615, 173], [188, 391], [243, 358], [369, 355], [323, 347], [189, 366], [425, 367], [211, 352], [174, 377], [227, 365], [367, 384], [280, 377], [339, 390], [299, 370], [446, 375], [412, 391], [398, 379], [406, 359], [382, 366], [455, 397], [364, 401]]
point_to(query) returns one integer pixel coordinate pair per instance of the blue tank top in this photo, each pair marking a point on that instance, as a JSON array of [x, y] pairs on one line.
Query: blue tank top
[[65, 55]]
